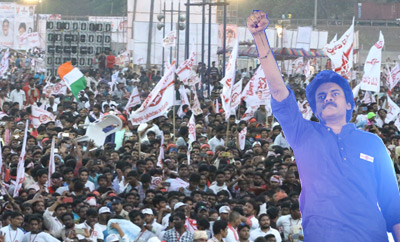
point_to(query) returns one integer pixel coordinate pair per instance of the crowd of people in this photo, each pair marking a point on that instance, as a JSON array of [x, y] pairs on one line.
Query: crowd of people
[[222, 193]]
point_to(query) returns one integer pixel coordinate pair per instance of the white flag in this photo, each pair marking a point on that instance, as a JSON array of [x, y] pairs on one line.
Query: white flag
[[356, 90], [134, 99], [298, 66], [52, 164], [305, 109], [192, 130], [158, 101], [21, 164], [184, 101], [393, 77], [242, 138], [372, 68], [341, 53], [58, 88], [368, 98], [40, 116], [249, 112], [228, 81], [236, 97], [4, 63], [184, 71], [169, 40], [196, 108], [392, 109], [161, 155]]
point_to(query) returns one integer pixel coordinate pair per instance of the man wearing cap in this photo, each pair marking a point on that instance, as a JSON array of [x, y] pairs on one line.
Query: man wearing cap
[[137, 218], [349, 188], [104, 216], [150, 223], [224, 213]]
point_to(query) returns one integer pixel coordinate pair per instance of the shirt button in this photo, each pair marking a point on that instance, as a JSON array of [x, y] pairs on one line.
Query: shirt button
[[344, 158], [340, 138], [341, 148], [329, 129]]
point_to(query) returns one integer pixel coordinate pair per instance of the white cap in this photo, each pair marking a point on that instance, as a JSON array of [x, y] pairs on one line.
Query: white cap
[[112, 238], [147, 211], [104, 210], [224, 209], [179, 204]]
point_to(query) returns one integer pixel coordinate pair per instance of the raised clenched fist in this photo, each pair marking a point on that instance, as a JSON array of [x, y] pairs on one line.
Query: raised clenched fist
[[257, 22]]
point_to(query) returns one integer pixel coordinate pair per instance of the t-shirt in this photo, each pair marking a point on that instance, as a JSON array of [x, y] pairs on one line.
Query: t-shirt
[[11, 235], [110, 61]]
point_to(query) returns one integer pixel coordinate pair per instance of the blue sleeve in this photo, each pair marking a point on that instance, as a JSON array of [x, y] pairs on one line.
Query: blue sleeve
[[388, 190], [288, 114]]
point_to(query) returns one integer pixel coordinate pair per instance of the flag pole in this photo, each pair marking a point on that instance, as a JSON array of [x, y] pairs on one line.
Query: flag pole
[[227, 132], [173, 111], [140, 144]]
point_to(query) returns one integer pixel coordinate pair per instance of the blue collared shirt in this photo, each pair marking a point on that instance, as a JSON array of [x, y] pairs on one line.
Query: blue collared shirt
[[349, 188]]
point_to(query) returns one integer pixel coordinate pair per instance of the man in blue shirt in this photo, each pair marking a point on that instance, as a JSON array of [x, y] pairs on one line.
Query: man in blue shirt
[[349, 189]]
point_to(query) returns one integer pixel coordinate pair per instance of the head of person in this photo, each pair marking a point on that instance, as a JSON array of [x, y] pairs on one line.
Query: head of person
[[234, 219], [137, 218], [264, 221], [270, 238], [68, 220], [6, 27], [220, 227], [251, 208], [295, 211], [244, 231], [200, 236], [330, 97], [178, 219], [34, 223], [16, 219]]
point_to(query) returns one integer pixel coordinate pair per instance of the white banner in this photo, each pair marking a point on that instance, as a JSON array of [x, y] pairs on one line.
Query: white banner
[[169, 40], [249, 112], [393, 77], [236, 97], [58, 88], [192, 130], [257, 92], [184, 101], [392, 109], [4, 63], [356, 90], [158, 101], [134, 99], [341, 53], [184, 71], [298, 66], [40, 116], [242, 138], [228, 81], [372, 68], [52, 164], [196, 108], [304, 37], [21, 163]]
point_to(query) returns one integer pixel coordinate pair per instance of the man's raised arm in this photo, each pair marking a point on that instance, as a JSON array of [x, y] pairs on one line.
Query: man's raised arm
[[257, 23]]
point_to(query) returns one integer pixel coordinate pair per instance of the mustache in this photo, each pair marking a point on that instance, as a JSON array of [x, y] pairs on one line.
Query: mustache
[[329, 103]]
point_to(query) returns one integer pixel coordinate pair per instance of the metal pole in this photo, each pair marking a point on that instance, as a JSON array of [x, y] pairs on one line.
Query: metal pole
[[224, 46], [209, 49], [177, 34], [315, 13], [150, 36], [172, 27], [187, 29], [203, 23], [163, 49]]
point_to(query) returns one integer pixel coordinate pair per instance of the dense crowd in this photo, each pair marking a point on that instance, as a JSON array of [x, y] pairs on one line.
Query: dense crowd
[[114, 192]]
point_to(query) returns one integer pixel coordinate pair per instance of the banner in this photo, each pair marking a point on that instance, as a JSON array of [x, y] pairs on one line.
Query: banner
[[298, 66], [231, 35], [24, 25], [228, 81], [40, 116], [184, 71], [134, 99], [52, 164], [305, 109], [257, 92], [196, 107], [356, 90], [372, 68], [122, 59], [158, 101], [341, 53], [392, 109], [236, 97], [184, 101], [58, 88], [249, 112], [4, 63], [21, 163], [393, 77], [192, 130], [169, 40], [242, 138]]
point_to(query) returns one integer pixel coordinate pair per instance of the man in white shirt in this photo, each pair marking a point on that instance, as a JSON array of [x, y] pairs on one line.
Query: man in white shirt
[[219, 183], [290, 221], [12, 233], [218, 138], [265, 228], [35, 235], [18, 96], [84, 175], [144, 128], [151, 224], [90, 225], [52, 216], [234, 221]]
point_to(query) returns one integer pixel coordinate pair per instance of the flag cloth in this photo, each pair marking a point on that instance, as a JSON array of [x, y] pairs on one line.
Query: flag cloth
[[4, 63], [393, 77], [184, 71], [161, 155], [58, 88], [356, 90], [236, 94], [52, 164], [298, 66], [249, 112], [158, 101], [372, 68], [21, 164], [184, 101], [40, 116], [169, 40], [73, 78], [242, 138], [192, 130], [134, 99], [341, 53], [368, 98], [228, 81], [257, 92], [392, 109], [196, 107]]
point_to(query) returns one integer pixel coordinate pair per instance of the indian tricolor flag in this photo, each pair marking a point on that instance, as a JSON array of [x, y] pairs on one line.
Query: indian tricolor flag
[[73, 78]]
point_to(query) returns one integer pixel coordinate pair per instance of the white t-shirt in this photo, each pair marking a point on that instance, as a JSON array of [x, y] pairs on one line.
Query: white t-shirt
[[232, 236], [259, 233], [11, 235], [96, 230], [40, 237], [287, 222], [90, 185]]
